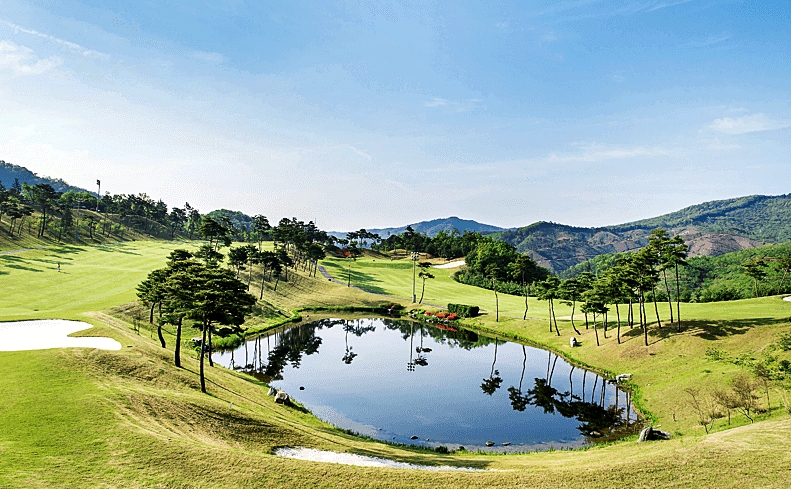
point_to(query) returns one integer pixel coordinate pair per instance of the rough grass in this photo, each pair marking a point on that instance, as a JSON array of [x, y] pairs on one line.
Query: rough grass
[[88, 418]]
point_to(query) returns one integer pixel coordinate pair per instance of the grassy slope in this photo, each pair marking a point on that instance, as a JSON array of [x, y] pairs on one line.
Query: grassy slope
[[86, 418]]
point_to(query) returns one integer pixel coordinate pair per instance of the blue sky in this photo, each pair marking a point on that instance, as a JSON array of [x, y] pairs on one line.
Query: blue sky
[[371, 114]]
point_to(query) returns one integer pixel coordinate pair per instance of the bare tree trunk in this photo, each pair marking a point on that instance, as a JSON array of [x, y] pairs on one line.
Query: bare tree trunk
[[574, 306], [554, 318], [211, 349], [656, 308], [177, 356], [669, 300], [618, 314], [203, 354], [678, 301], [596, 330], [159, 334]]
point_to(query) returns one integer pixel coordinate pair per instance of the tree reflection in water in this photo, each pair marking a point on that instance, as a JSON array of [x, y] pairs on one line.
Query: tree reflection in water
[[490, 385], [290, 345]]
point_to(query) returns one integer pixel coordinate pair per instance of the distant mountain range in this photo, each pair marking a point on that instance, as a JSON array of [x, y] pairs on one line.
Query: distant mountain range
[[10, 172], [434, 226], [712, 228]]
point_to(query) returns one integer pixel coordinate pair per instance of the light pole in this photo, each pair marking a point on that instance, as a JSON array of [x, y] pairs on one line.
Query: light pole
[[98, 194], [415, 258]]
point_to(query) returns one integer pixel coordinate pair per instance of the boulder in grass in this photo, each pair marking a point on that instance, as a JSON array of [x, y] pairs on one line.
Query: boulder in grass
[[622, 377], [649, 433], [282, 398], [272, 392], [573, 342]]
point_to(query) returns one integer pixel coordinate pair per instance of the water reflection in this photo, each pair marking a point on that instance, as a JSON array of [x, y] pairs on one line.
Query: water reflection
[[437, 397]]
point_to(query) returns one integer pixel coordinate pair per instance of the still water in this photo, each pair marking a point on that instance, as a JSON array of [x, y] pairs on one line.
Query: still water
[[393, 379]]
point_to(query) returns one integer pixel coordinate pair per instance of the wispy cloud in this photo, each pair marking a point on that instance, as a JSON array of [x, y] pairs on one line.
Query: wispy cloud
[[20, 60], [436, 102], [88, 53], [748, 123], [714, 39], [597, 152], [456, 105], [215, 58], [662, 5]]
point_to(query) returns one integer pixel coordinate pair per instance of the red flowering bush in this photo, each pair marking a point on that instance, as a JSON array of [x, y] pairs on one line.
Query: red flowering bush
[[428, 313], [441, 315], [453, 316]]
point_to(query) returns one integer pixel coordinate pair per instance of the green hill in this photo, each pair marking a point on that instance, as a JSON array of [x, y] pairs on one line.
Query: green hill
[[9, 173], [710, 229]]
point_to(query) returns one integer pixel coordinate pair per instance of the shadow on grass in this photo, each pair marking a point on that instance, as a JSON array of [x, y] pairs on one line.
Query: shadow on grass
[[707, 330], [116, 249], [359, 279]]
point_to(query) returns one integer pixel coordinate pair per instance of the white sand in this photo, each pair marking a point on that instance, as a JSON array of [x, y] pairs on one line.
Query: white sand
[[361, 460], [49, 333], [451, 264], [787, 298]]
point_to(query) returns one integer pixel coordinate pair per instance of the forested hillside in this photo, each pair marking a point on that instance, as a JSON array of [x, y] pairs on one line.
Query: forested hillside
[[709, 229], [717, 278], [11, 175]]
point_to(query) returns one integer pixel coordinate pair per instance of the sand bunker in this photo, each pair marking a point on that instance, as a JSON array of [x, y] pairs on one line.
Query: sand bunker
[[451, 264], [49, 333], [361, 460], [788, 298]]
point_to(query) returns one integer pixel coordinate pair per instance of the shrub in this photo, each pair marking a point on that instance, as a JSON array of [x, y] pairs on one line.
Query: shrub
[[463, 310], [441, 315], [453, 316], [428, 313]]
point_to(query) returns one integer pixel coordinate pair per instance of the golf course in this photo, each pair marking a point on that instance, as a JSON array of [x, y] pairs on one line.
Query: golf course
[[77, 417]]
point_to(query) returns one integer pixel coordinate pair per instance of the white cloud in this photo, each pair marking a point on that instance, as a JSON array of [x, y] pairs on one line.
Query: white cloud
[[748, 123], [20, 60], [88, 53], [436, 102], [215, 58], [597, 152], [456, 105]]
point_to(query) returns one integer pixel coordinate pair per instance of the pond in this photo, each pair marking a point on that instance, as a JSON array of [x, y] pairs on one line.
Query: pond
[[394, 380]]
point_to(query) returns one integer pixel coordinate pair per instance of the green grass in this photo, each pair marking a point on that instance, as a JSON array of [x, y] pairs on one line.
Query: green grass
[[91, 278], [88, 418]]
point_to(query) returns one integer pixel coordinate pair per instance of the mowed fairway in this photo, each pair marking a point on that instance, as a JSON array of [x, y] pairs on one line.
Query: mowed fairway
[[130, 419], [91, 278]]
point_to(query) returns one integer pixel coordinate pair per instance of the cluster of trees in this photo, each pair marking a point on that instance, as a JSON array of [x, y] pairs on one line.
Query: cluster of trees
[[201, 292], [737, 275], [632, 280], [496, 265], [73, 211], [444, 244]]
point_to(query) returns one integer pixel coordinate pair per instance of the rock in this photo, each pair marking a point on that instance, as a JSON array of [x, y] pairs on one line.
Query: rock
[[196, 341], [623, 377], [649, 433], [595, 434], [302, 387], [573, 342], [507, 443], [461, 448], [282, 398], [489, 443], [272, 392], [413, 437], [426, 439]]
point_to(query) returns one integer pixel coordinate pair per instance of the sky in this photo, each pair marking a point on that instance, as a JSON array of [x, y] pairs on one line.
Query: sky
[[373, 114]]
